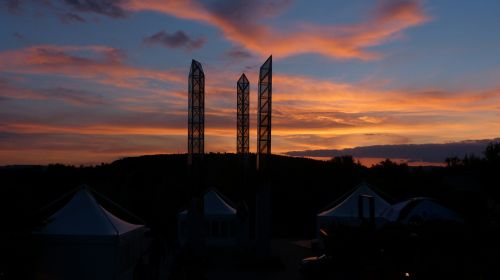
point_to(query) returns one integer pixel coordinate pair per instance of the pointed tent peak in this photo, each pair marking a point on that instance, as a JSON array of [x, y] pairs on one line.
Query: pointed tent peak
[[365, 189], [216, 203], [347, 205], [364, 186], [84, 216], [84, 190]]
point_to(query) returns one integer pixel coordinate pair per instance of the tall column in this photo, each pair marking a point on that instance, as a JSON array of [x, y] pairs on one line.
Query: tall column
[[263, 194], [243, 116], [196, 143], [196, 112]]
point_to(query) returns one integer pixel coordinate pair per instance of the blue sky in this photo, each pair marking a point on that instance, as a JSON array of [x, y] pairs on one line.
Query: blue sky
[[85, 81]]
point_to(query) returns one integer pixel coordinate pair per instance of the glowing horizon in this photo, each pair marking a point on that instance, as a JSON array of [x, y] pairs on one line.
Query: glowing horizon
[[94, 83]]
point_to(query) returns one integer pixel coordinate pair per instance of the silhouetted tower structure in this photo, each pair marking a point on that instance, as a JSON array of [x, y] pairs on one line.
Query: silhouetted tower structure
[[243, 117], [196, 118], [264, 114], [263, 194], [196, 142]]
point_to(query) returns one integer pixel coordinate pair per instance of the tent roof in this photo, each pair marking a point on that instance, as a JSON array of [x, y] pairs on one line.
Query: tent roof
[[83, 216], [425, 208], [348, 207], [215, 204]]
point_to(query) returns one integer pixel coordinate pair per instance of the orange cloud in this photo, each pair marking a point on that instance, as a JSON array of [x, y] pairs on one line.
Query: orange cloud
[[240, 23], [302, 105], [302, 92], [308, 113], [98, 63], [71, 96]]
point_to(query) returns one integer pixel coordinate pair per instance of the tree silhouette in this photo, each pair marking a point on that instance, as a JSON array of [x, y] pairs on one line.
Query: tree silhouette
[[492, 153]]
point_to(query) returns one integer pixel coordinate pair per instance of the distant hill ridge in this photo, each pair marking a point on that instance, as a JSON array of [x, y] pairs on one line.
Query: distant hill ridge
[[435, 153]]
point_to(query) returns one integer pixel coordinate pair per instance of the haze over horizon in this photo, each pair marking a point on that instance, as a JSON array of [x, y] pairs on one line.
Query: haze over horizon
[[93, 81]]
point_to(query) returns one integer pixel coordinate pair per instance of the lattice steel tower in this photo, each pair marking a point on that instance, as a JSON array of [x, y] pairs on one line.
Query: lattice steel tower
[[196, 136], [243, 116], [263, 192], [264, 114], [196, 118]]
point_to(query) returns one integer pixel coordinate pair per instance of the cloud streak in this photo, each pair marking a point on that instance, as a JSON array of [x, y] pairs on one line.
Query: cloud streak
[[339, 114], [246, 24], [431, 153], [111, 8], [70, 17], [71, 96], [101, 64], [178, 39], [387, 22], [13, 6], [239, 53], [40, 148]]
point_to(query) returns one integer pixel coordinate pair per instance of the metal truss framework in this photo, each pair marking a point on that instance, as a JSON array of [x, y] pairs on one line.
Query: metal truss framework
[[243, 116], [264, 114], [196, 111]]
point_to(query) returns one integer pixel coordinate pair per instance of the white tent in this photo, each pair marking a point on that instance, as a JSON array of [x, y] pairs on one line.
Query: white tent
[[222, 226], [420, 210], [84, 241], [347, 208]]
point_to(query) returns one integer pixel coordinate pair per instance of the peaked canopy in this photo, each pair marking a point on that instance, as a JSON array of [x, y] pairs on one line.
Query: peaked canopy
[[348, 207], [83, 216], [214, 204]]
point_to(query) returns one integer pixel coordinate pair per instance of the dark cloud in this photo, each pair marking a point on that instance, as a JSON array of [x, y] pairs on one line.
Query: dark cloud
[[433, 153], [178, 39], [68, 95], [13, 6], [68, 11], [242, 13], [238, 53], [69, 17], [18, 36], [109, 56], [340, 140], [111, 8], [87, 143], [73, 96]]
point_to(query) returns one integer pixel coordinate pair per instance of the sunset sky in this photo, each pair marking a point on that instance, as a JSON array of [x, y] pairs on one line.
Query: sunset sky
[[90, 81]]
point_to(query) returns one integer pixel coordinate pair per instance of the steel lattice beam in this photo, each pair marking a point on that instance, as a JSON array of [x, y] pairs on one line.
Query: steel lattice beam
[[196, 118], [264, 114], [243, 116]]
